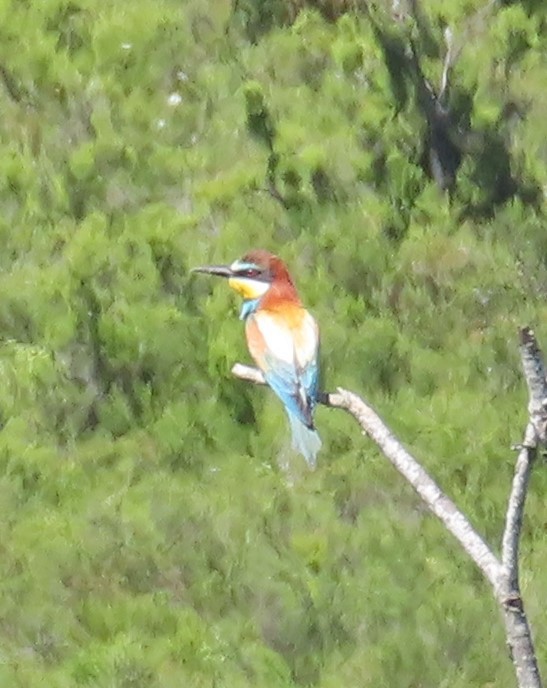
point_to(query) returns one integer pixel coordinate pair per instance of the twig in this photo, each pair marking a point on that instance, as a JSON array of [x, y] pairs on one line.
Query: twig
[[15, 91], [274, 192]]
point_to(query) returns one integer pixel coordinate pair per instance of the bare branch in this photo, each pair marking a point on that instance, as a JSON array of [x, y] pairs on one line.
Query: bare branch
[[534, 372], [274, 192], [521, 646], [425, 486], [443, 507], [448, 64], [475, 25], [519, 636], [515, 507], [248, 373], [502, 575]]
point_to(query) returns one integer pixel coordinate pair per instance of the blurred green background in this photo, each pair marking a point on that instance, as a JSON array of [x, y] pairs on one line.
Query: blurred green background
[[149, 537]]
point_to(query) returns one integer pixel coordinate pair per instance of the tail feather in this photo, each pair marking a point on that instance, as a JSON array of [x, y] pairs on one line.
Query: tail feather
[[305, 440]]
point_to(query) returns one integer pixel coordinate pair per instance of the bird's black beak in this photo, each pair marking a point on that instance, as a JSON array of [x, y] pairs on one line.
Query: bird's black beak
[[219, 270]]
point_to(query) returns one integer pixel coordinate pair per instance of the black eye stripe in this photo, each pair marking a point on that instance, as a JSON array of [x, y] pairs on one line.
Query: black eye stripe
[[254, 273], [250, 272]]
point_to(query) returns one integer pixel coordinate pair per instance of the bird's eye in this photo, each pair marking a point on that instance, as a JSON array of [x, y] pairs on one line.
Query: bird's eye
[[251, 272]]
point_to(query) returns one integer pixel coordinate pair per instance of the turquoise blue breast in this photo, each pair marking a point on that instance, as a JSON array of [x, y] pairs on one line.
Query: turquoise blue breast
[[248, 307]]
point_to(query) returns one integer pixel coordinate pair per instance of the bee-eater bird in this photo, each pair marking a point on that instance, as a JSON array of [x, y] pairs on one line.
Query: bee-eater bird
[[283, 339]]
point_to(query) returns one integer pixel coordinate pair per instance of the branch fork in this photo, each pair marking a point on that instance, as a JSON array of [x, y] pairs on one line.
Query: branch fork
[[501, 572]]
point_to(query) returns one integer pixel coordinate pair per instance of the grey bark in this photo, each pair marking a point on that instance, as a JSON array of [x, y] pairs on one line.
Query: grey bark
[[500, 572]]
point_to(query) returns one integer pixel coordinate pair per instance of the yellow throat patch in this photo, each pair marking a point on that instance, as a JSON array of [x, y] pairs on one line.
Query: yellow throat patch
[[248, 288]]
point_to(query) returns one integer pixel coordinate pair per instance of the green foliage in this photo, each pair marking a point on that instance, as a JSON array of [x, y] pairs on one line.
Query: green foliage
[[156, 529]]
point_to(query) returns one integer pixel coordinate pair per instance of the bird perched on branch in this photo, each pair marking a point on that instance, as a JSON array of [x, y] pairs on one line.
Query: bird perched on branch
[[283, 339]]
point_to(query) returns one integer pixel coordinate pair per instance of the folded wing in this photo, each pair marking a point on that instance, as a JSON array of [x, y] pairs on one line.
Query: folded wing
[[285, 347]]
